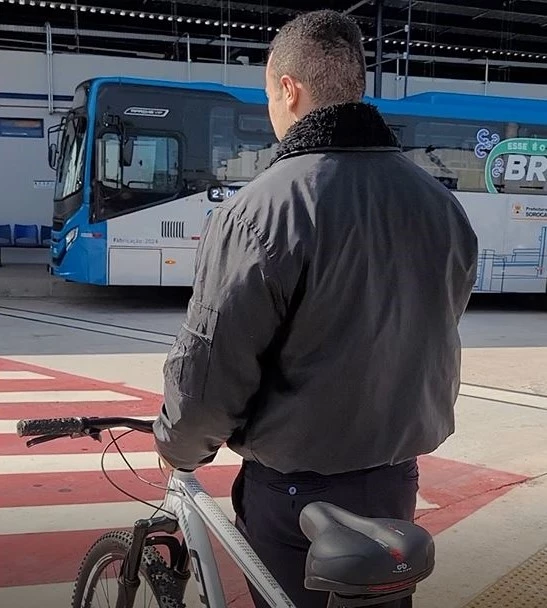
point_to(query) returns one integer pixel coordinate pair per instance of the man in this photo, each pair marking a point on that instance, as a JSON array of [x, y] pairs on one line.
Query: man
[[321, 341]]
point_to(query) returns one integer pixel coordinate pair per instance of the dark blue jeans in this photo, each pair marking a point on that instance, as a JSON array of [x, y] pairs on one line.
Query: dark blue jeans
[[267, 515]]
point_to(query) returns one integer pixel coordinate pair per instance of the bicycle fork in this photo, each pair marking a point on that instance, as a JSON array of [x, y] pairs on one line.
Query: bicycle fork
[[144, 534]]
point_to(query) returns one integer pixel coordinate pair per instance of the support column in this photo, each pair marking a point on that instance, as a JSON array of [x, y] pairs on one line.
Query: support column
[[225, 58], [379, 48], [188, 57], [49, 59], [407, 52]]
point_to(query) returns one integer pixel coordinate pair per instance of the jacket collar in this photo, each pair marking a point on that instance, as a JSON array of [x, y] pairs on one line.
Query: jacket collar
[[337, 127]]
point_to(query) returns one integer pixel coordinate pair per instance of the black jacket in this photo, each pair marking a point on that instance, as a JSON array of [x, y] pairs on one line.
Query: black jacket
[[322, 334]]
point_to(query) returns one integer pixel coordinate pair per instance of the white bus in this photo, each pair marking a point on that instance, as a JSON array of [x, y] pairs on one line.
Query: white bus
[[140, 163]]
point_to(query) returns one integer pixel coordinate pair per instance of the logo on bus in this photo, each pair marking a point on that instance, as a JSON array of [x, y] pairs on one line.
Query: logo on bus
[[527, 212], [149, 112], [516, 159]]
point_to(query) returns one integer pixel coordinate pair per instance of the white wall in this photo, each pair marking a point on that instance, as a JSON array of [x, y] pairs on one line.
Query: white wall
[[393, 87], [26, 72], [24, 162]]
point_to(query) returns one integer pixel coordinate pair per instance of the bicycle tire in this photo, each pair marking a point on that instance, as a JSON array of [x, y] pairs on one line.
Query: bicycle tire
[[153, 569]]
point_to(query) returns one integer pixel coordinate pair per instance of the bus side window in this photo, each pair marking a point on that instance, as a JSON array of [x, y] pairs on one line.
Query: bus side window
[[447, 150], [222, 137], [243, 141]]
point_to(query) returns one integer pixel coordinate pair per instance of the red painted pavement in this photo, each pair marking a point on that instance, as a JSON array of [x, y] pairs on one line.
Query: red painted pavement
[[459, 489], [90, 487], [65, 381], [18, 411], [145, 403], [13, 445], [54, 557]]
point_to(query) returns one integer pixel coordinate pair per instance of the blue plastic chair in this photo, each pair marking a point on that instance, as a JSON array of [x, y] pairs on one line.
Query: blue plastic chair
[[5, 234], [25, 234], [45, 236]]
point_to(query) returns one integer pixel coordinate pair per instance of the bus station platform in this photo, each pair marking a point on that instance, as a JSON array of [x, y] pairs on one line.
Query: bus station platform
[[25, 280], [34, 281], [526, 585], [483, 493]]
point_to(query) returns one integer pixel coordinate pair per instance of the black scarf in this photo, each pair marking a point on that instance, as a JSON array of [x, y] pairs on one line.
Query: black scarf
[[347, 125]]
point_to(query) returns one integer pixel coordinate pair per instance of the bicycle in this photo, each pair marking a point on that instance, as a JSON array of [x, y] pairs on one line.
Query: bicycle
[[358, 561]]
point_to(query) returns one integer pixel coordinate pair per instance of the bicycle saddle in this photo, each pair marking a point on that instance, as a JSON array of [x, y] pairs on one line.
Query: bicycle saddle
[[354, 555]]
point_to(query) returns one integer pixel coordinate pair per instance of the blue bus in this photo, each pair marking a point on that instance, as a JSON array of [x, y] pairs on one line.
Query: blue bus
[[140, 163]]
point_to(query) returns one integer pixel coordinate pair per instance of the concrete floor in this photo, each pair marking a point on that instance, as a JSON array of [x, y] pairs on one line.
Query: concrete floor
[[501, 433]]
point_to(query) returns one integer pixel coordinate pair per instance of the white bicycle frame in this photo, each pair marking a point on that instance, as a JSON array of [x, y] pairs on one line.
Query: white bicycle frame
[[189, 508], [197, 512]]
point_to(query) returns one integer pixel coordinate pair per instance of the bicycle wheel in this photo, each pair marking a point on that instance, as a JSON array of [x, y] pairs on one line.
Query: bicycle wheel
[[158, 588]]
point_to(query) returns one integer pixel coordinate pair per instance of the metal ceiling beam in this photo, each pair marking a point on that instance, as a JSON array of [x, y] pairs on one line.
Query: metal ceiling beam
[[353, 8], [474, 61], [239, 6], [244, 44], [467, 32], [60, 31], [480, 6]]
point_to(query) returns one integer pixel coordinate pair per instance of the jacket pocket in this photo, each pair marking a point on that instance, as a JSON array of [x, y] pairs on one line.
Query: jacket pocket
[[188, 362]]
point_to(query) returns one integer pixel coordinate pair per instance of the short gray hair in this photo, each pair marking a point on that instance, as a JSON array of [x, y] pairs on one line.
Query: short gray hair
[[324, 50]]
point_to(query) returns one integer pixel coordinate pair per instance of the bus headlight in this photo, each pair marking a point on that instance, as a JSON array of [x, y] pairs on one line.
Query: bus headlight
[[71, 237]]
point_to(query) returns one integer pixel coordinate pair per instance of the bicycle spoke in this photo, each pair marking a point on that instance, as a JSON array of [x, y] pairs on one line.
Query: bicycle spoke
[[109, 574], [104, 591]]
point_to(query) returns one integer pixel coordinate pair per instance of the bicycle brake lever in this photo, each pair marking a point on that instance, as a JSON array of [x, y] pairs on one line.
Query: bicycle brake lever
[[94, 434], [43, 439]]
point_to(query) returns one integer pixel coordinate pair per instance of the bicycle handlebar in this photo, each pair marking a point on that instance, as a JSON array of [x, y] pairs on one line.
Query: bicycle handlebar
[[78, 426], [52, 426]]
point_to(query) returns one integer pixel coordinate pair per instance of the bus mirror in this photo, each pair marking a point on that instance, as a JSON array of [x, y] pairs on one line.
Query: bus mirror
[[52, 155], [128, 148], [53, 140]]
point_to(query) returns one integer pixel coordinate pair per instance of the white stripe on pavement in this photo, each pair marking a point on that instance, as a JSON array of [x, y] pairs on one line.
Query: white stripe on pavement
[[61, 463], [72, 518], [422, 503], [512, 397], [57, 595], [64, 396], [23, 376], [37, 596]]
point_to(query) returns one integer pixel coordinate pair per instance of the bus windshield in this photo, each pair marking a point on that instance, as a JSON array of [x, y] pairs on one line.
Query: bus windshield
[[71, 164], [143, 162], [160, 144]]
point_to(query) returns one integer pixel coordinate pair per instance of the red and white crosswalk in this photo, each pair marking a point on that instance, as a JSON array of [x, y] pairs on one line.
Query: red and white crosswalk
[[55, 500]]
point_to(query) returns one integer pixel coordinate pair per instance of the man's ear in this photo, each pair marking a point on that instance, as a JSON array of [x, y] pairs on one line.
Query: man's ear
[[291, 91]]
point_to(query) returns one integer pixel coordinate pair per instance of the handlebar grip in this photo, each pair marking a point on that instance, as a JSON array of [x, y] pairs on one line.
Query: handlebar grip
[[50, 426]]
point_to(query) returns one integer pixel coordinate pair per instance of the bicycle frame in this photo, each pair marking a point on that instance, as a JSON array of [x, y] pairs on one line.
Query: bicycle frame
[[191, 510], [194, 512]]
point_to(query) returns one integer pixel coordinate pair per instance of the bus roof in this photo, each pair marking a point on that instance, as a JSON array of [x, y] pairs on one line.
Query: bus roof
[[430, 104]]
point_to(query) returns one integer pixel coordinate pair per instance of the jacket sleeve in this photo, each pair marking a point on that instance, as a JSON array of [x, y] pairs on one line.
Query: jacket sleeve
[[213, 368]]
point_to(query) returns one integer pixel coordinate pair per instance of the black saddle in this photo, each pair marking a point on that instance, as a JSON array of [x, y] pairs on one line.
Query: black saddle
[[374, 558]]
